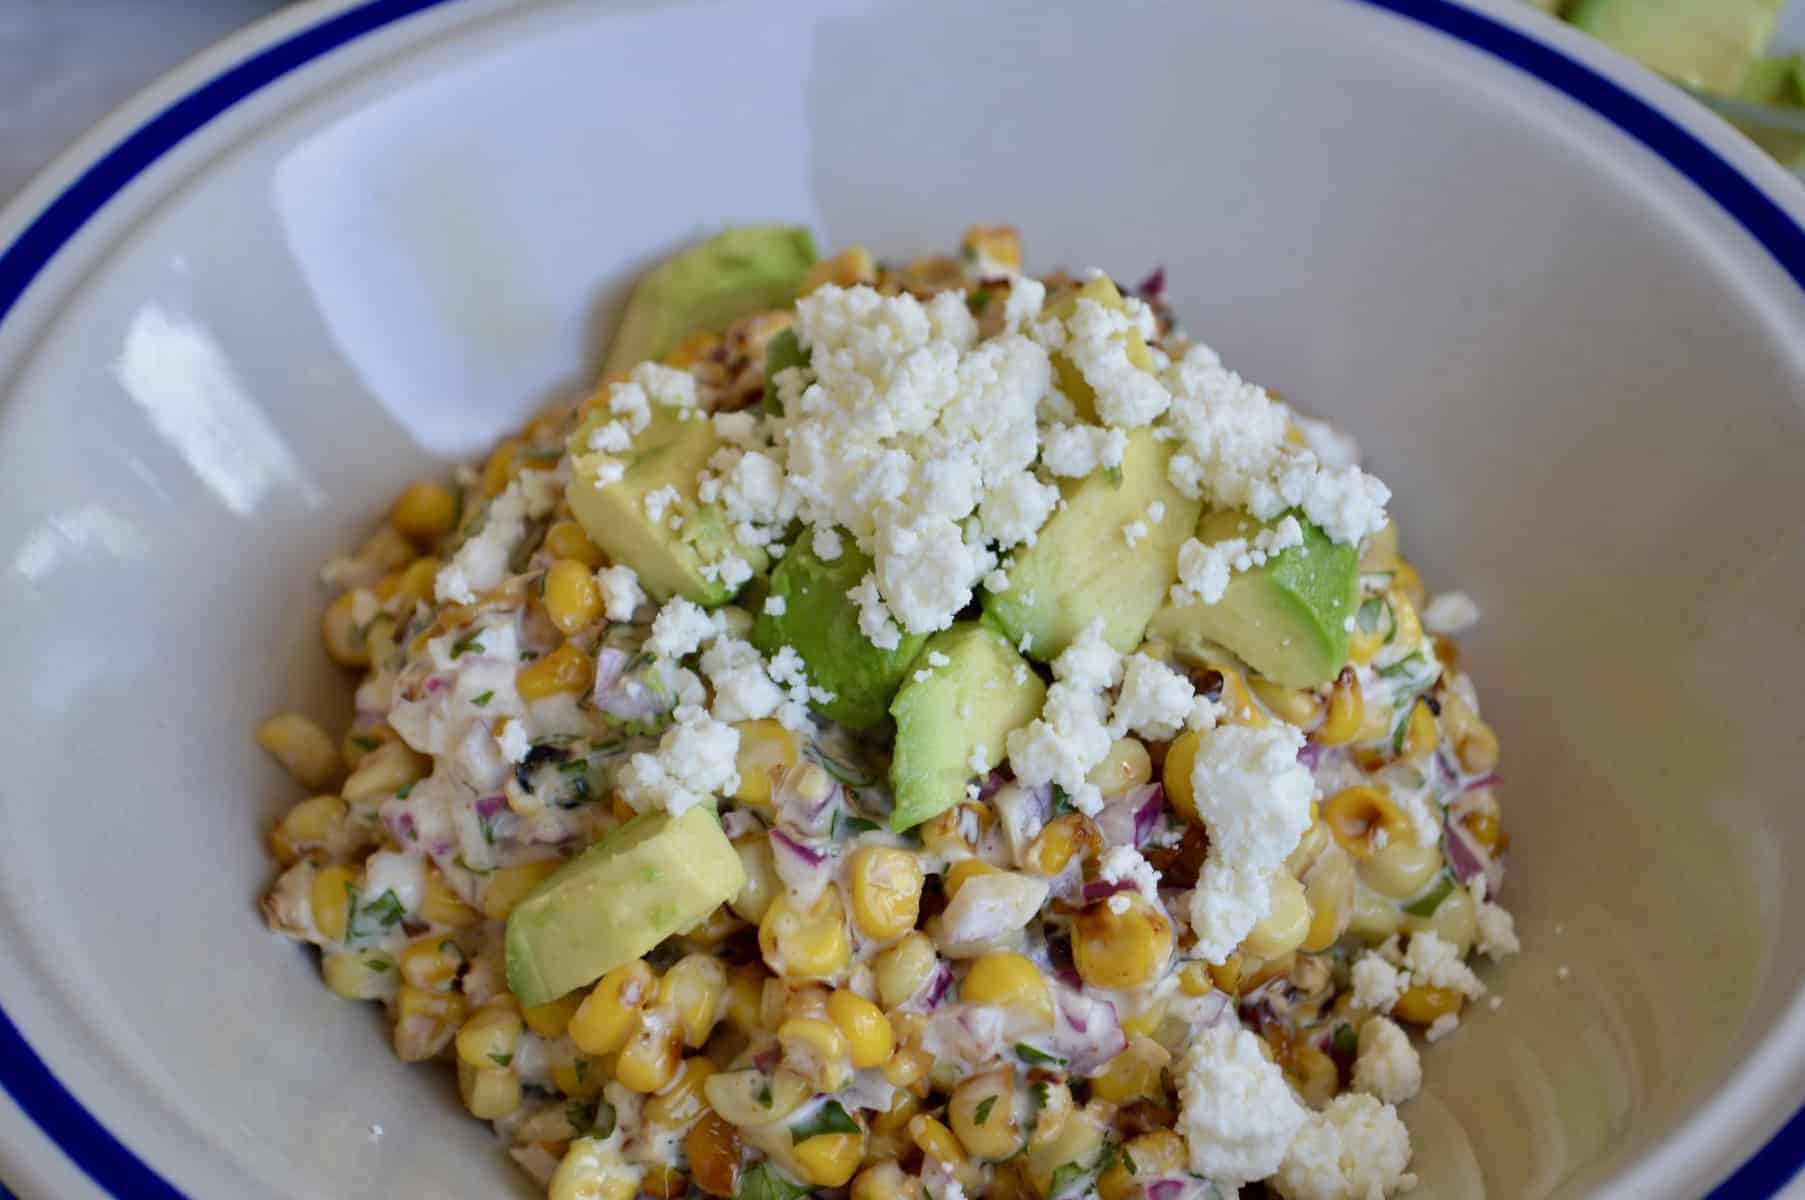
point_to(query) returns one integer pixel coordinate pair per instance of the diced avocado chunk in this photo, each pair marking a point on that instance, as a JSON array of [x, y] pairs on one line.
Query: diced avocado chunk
[[822, 624], [783, 352], [654, 876], [1286, 619], [1707, 44], [707, 287], [951, 724], [668, 453], [1081, 566], [1071, 379]]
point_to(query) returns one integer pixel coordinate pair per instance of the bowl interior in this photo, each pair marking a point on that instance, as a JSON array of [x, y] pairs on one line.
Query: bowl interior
[[1579, 378]]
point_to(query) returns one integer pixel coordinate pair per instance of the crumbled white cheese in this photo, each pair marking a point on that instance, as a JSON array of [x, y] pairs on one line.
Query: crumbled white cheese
[[1014, 511], [695, 760], [996, 581], [737, 428], [1075, 451], [611, 437], [1377, 984], [666, 386], [978, 761], [1155, 700], [1441, 1027], [1097, 344], [513, 740], [1236, 1112], [743, 691], [658, 500], [1449, 613], [1387, 1065], [481, 563], [1070, 737], [1027, 295], [826, 544], [937, 659], [776, 606], [1204, 568], [1436, 962], [874, 618], [680, 628], [1497, 931], [1156, 511], [1355, 1149], [621, 594], [1124, 864], [1133, 532]]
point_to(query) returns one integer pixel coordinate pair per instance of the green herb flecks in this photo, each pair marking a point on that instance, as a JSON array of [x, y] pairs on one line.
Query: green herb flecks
[[829, 1117], [1037, 1058], [1426, 904], [762, 1181]]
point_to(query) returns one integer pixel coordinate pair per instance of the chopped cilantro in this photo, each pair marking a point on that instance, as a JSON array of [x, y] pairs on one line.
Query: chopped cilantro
[[581, 1067], [483, 699], [1038, 1058], [405, 791], [983, 1113], [848, 826], [1426, 905], [762, 1181], [528, 655], [464, 645], [848, 775], [979, 301], [764, 1095], [364, 741], [377, 963], [830, 1117], [386, 911], [501, 1060], [1345, 1039], [1113, 475], [1062, 803], [1068, 1179]]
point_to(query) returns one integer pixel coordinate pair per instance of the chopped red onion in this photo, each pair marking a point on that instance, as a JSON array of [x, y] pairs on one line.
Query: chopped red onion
[[491, 806], [804, 869], [767, 1060], [1309, 753], [1087, 1032], [1466, 858], [737, 823], [933, 989], [993, 782], [1489, 779], [1177, 1187], [1103, 889], [1154, 286]]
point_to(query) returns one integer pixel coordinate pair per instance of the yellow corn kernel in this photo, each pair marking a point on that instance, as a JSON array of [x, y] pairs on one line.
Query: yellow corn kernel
[[588, 1172], [388, 768], [331, 900], [1161, 1152], [713, 1149], [605, 1017], [1000, 245], [304, 749], [1314, 1074], [1374, 917], [1408, 583], [691, 350], [829, 1159], [573, 601], [1356, 815], [907, 1066], [848, 268], [885, 1181], [341, 634], [752, 1098], [358, 743], [1310, 846], [1181, 756], [566, 539], [1484, 826], [1120, 950], [1237, 703], [869, 1037], [886, 884], [948, 834], [903, 968], [307, 826], [1421, 1004], [1126, 765], [1145, 1021], [767, 750], [1010, 981], [566, 669], [1407, 632], [424, 512], [1065, 836], [581, 1077], [1345, 713], [760, 868], [357, 974], [964, 869], [1133, 1074], [1285, 924], [1455, 920], [1401, 868], [682, 1103], [745, 993], [816, 1050], [551, 1019], [981, 1114], [425, 1022], [1364, 646], [507, 885], [936, 1140], [653, 1051], [1227, 974], [695, 986], [1478, 750], [490, 1093], [431, 963], [499, 470], [1194, 979], [805, 945], [488, 1039], [1329, 891], [1422, 735], [443, 906], [1292, 705]]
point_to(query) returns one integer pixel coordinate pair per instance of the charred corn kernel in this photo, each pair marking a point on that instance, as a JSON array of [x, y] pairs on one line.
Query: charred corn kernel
[[829, 1159], [566, 669], [506, 885], [488, 1038], [1120, 949], [431, 963], [551, 1019], [1064, 837], [1194, 979], [341, 633], [998, 245], [1010, 981], [817, 1051], [1455, 920], [1132, 1074], [951, 834], [981, 1114], [304, 749], [712, 1148], [1181, 756], [490, 1093], [751, 1098], [682, 1104], [1345, 712], [1126, 765], [653, 1051], [904, 968], [1478, 750], [1358, 814], [1286, 923], [936, 1140], [388, 768], [767, 750], [591, 1171], [1161, 1152], [572, 599], [331, 895], [745, 992], [869, 1038], [1401, 868], [566, 539], [1374, 917], [1484, 826], [1314, 1074], [1237, 703], [413, 1002], [805, 945], [357, 974], [1293, 705], [1421, 1004], [848, 268], [499, 470], [885, 1181], [695, 986], [964, 869], [691, 350], [443, 906], [1421, 736], [1329, 891], [307, 826], [761, 884], [886, 884], [424, 512], [425, 1023], [605, 1017]]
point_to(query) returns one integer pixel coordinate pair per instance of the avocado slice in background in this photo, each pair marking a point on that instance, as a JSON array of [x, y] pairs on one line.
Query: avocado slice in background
[[707, 287], [1081, 566], [668, 452], [1286, 619], [822, 625], [944, 719], [652, 877], [1707, 44]]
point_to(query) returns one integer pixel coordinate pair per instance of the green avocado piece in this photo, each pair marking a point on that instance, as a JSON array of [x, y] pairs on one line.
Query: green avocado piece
[[1707, 44], [669, 452], [951, 723], [1071, 379], [781, 353], [1081, 566], [1286, 619], [708, 287], [822, 624], [652, 877]]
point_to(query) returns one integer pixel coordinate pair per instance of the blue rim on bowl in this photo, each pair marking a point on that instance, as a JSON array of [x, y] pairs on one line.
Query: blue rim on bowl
[[107, 1161]]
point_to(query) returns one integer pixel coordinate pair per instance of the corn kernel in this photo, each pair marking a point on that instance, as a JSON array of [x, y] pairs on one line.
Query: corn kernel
[[566, 539], [604, 1019], [805, 945], [760, 867], [1181, 756], [1357, 814], [431, 963], [566, 669], [829, 1159], [997, 244], [357, 974], [424, 512], [691, 350], [443, 906], [767, 750], [1329, 891], [745, 993], [1292, 705], [816, 1050], [653, 1052], [590, 1172], [551, 1019], [1286, 923], [936, 1140], [712, 1148], [425, 1022], [1010, 981], [1422, 1005], [683, 1102], [884, 1180], [573, 600], [489, 1037], [1478, 750], [750, 1098], [981, 1113], [1126, 765], [304, 749], [869, 1037], [499, 470], [309, 825], [331, 895], [1237, 703], [886, 884], [506, 886], [1402, 868], [490, 1093], [904, 968], [695, 986], [1421, 735], [848, 268], [1345, 713], [1120, 950], [1065, 836], [1133, 1074], [964, 869], [1194, 979], [581, 1077], [341, 634], [388, 768]]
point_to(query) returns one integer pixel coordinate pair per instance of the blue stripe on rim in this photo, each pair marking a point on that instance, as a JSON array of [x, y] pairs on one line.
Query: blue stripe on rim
[[106, 1160]]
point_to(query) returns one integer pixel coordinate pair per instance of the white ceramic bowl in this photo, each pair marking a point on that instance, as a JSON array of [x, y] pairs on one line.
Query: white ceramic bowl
[[1560, 305]]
